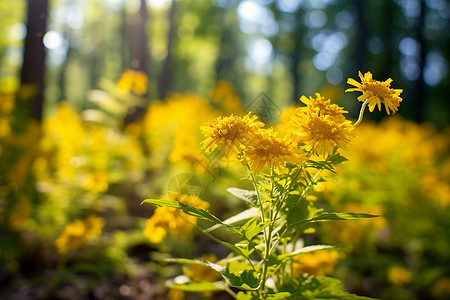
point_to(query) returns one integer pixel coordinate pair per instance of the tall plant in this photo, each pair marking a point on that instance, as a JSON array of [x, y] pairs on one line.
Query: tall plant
[[282, 169]]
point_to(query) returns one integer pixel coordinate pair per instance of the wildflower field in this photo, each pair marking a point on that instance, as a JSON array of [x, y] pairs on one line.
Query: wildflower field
[[180, 184]]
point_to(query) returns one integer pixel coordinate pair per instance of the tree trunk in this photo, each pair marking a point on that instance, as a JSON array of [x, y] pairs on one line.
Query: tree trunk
[[361, 37], [166, 73], [33, 68], [420, 83], [138, 45], [296, 57]]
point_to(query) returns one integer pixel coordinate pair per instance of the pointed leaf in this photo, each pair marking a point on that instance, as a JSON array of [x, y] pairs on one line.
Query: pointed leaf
[[200, 261], [187, 209], [321, 215], [198, 286], [249, 197], [242, 216], [336, 159], [305, 250], [296, 212], [252, 228]]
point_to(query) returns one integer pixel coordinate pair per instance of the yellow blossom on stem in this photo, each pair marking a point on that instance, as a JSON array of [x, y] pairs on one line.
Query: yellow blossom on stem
[[231, 133], [268, 148], [376, 92]]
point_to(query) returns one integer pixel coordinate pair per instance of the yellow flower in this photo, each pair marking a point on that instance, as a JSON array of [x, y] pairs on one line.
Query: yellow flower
[[321, 134], [323, 107], [133, 80], [267, 148], [171, 221], [399, 276], [376, 92], [317, 263], [79, 233], [231, 133]]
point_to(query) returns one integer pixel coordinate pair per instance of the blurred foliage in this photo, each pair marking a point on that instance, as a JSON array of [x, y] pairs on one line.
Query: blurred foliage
[[103, 146]]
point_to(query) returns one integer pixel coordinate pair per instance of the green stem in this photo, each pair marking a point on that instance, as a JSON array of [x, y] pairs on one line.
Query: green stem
[[361, 113], [267, 233]]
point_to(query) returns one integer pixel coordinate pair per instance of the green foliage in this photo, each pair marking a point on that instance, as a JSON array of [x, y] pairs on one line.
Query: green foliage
[[318, 287]]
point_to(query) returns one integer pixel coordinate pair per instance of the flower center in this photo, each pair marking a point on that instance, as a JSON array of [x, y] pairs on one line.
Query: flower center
[[323, 129], [378, 89]]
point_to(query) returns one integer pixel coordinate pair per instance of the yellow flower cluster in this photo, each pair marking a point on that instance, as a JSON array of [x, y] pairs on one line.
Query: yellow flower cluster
[[317, 263], [320, 126], [171, 221], [79, 233], [245, 135]]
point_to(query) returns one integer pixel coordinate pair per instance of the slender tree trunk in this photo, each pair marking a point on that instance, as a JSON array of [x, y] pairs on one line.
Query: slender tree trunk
[[125, 41], [361, 37], [420, 83], [33, 68], [166, 73], [296, 57], [138, 50], [138, 56]]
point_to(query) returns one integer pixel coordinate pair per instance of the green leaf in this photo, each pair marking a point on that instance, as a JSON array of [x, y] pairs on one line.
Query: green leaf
[[296, 212], [198, 286], [200, 261], [249, 197], [188, 209], [252, 228], [245, 280], [242, 216], [246, 296], [279, 187], [304, 250], [336, 159], [321, 215]]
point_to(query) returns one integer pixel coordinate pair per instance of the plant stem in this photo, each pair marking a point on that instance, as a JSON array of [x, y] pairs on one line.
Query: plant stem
[[361, 113], [229, 291], [267, 233]]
